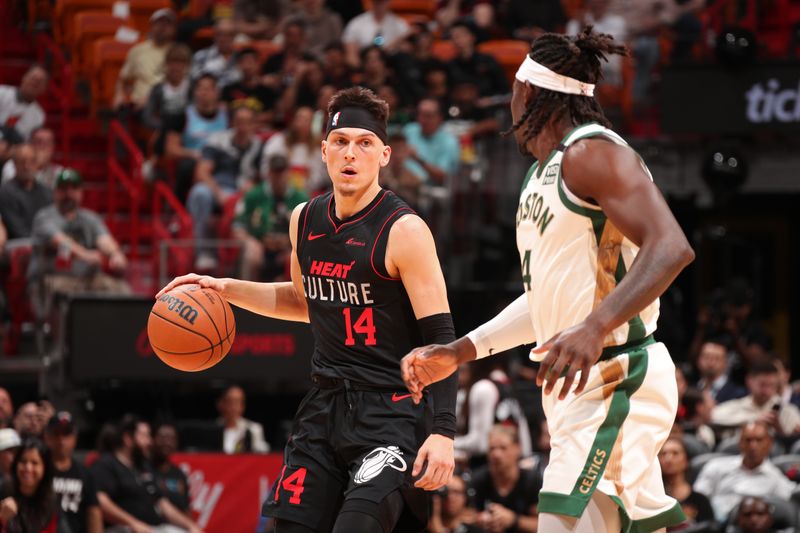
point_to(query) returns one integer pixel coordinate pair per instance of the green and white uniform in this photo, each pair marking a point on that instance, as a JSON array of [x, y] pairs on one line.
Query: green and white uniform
[[607, 438]]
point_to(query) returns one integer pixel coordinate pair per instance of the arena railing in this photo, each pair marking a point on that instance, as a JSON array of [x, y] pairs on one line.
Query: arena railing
[[61, 86], [125, 172], [171, 222]]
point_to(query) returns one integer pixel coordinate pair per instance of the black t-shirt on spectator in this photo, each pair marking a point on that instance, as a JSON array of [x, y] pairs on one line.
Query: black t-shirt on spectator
[[174, 486], [259, 98], [76, 492], [697, 507], [522, 497], [483, 71], [134, 491]]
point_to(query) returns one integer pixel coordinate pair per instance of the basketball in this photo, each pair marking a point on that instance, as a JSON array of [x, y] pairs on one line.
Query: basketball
[[191, 328]]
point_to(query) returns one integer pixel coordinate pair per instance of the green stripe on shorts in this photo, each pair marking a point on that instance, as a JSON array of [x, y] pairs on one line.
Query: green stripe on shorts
[[573, 504]]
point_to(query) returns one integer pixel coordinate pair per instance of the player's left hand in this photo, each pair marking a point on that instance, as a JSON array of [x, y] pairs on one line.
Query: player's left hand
[[438, 452], [576, 348]]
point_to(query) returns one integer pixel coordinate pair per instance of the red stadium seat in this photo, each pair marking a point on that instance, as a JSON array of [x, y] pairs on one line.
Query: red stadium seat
[[108, 56], [444, 50], [63, 19], [89, 26], [509, 53]]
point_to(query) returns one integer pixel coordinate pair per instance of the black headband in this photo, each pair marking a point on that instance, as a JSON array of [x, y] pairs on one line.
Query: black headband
[[356, 117]]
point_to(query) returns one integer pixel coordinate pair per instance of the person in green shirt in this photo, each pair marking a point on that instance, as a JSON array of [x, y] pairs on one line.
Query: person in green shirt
[[262, 224]]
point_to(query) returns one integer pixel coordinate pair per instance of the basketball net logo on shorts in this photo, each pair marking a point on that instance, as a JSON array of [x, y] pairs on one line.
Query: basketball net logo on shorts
[[378, 459]]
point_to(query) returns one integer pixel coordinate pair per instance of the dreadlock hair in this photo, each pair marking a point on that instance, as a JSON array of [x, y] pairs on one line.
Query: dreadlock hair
[[577, 57]]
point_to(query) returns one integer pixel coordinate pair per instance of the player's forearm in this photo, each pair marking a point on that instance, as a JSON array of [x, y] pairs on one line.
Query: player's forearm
[[275, 300], [511, 327], [654, 269]]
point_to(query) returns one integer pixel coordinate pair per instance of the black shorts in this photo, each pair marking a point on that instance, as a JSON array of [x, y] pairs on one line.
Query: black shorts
[[351, 444]]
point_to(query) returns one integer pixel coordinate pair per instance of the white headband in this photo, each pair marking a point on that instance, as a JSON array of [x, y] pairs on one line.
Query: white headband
[[543, 77]]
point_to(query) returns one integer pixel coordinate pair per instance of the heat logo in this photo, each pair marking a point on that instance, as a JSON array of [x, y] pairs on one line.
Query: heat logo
[[378, 459]]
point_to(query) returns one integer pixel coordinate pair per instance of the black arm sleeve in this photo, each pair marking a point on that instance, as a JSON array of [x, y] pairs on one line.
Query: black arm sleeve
[[438, 329]]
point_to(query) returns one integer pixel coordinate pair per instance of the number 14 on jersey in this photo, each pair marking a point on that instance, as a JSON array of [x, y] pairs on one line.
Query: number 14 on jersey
[[364, 325]]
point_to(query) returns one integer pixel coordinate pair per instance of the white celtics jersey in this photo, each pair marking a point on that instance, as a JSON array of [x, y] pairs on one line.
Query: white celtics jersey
[[572, 255]]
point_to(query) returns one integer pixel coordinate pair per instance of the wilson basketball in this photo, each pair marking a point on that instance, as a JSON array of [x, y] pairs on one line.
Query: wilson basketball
[[191, 328]]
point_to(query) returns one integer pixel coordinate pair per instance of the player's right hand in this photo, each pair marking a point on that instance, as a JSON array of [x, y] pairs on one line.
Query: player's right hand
[[426, 365], [207, 282]]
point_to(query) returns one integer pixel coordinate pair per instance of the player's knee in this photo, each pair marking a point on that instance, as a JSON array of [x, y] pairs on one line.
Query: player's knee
[[365, 516]]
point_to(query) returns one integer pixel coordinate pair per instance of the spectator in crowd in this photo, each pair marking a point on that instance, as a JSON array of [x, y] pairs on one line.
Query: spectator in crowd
[[399, 115], [305, 87], [378, 26], [597, 14], [411, 64], [228, 164], [754, 515], [171, 480], [18, 107], [787, 391], [449, 513], [126, 486], [6, 408], [262, 224], [281, 68], [506, 496], [435, 152], [528, 20], [256, 19], [674, 463], [22, 197], [239, 435], [467, 105], [144, 66], [219, 59], [396, 176], [436, 84], [29, 421], [469, 64], [249, 91], [44, 145], [490, 401], [71, 244], [319, 116], [697, 415], [763, 403], [72, 483], [713, 370], [301, 147], [337, 72], [9, 139], [323, 26], [9, 442], [32, 505], [186, 134], [169, 97], [725, 480]]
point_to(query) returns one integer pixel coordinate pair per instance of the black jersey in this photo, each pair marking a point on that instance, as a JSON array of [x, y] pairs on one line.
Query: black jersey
[[361, 317]]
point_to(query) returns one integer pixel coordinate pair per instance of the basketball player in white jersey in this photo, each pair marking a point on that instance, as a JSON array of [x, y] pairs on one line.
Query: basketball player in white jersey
[[598, 245]]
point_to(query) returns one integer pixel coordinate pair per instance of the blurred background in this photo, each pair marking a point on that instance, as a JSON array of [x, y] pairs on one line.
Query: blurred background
[[190, 129]]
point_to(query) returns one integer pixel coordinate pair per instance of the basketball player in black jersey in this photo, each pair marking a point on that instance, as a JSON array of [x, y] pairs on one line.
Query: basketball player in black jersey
[[366, 276]]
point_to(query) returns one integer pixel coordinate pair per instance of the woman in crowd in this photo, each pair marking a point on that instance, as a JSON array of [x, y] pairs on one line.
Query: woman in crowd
[[301, 147], [31, 507], [674, 465], [450, 513]]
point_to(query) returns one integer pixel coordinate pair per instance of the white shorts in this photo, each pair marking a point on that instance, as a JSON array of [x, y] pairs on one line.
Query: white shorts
[[608, 439]]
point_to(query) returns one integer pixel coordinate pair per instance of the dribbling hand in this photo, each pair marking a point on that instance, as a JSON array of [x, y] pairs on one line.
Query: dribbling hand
[[207, 282], [426, 365]]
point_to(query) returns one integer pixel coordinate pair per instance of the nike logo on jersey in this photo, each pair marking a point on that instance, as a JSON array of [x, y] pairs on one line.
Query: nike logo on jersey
[[397, 398], [312, 237]]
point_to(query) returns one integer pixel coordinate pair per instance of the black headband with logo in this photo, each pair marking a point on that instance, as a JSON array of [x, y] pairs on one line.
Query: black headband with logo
[[356, 117]]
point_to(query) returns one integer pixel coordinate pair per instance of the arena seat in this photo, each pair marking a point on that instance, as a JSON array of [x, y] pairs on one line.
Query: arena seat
[[142, 10], [64, 15], [108, 56], [787, 462], [404, 7], [89, 26], [15, 284], [508, 53], [444, 50]]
